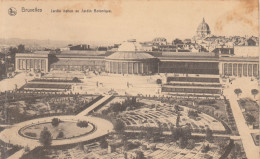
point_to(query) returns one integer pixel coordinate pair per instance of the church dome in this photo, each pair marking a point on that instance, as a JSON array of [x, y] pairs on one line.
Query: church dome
[[203, 29]]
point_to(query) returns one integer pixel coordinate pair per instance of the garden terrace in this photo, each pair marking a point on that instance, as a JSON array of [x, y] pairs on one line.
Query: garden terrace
[[193, 79], [155, 150], [37, 86], [56, 80], [156, 114], [191, 90], [31, 106], [193, 96], [164, 119], [194, 85]]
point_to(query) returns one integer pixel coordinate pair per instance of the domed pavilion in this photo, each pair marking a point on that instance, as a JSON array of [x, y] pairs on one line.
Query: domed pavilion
[[131, 59], [203, 29]]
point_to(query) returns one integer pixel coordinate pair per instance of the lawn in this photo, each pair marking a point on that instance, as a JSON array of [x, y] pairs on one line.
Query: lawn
[[70, 130]]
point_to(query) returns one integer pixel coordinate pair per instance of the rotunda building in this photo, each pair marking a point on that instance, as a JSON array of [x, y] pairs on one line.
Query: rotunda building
[[131, 59]]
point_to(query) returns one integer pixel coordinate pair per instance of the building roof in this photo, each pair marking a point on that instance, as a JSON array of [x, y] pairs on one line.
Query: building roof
[[130, 50], [75, 62], [82, 52], [130, 56], [189, 54], [34, 54]]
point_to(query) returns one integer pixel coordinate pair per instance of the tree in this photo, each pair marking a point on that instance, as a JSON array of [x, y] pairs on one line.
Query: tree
[[254, 92], [176, 108], [190, 144], [119, 126], [139, 155], [12, 52], [177, 42], [205, 148], [55, 122], [182, 142], [159, 81], [45, 137], [222, 146], [238, 91], [209, 134], [21, 48], [103, 143], [250, 119], [176, 133], [76, 80], [186, 132], [178, 120]]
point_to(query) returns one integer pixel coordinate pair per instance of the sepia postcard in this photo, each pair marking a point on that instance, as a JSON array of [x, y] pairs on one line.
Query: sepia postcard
[[129, 79]]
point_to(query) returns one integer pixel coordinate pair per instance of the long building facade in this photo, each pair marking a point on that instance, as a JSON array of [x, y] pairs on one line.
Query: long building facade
[[129, 59]]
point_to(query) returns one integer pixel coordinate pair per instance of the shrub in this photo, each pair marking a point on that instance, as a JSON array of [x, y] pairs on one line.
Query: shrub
[[207, 102], [139, 154], [76, 80], [103, 143], [55, 122], [207, 156], [182, 142], [119, 126], [30, 134], [82, 124], [250, 119], [190, 144], [205, 149], [60, 135], [193, 114], [159, 81]]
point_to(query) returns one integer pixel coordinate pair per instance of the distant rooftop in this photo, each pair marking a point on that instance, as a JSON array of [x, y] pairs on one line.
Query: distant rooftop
[[191, 54]]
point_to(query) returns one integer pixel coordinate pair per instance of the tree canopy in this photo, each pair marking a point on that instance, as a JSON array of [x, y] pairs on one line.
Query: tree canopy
[[119, 126], [45, 137], [254, 92], [238, 91], [55, 122]]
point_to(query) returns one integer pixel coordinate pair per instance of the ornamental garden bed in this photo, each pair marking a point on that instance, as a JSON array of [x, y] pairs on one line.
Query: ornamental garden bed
[[70, 129], [250, 110]]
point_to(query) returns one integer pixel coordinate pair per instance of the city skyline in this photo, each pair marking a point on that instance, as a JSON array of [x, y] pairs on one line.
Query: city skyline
[[130, 20]]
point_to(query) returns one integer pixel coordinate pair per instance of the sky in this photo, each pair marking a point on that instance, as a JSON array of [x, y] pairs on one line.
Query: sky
[[139, 19]]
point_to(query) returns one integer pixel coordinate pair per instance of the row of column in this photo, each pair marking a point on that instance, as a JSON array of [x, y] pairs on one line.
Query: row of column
[[240, 69], [31, 64], [127, 67]]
